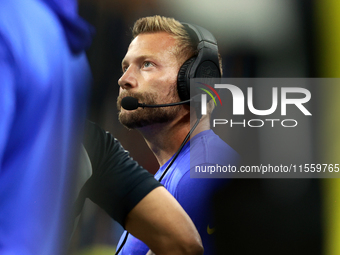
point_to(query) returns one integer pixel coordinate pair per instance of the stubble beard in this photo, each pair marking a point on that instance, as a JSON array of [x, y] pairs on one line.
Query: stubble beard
[[140, 117]]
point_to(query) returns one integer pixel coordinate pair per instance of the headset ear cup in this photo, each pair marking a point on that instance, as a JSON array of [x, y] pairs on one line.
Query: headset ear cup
[[183, 79]]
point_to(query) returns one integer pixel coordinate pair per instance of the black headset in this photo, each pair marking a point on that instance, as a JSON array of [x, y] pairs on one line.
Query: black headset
[[204, 65]]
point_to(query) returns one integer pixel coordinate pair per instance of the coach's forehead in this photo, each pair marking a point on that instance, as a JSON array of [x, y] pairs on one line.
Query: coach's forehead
[[152, 44]]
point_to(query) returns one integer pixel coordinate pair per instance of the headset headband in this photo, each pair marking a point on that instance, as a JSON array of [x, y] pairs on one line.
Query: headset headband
[[204, 65]]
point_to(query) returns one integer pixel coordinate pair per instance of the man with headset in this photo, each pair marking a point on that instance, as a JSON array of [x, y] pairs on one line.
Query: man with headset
[[160, 61]]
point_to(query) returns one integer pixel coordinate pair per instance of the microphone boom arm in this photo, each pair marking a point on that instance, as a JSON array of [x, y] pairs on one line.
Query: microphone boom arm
[[163, 105]]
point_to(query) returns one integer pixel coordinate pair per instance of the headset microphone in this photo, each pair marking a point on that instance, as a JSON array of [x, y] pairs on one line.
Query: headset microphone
[[131, 103]]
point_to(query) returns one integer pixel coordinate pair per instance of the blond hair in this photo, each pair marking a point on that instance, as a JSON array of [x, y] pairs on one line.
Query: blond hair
[[153, 24], [184, 48]]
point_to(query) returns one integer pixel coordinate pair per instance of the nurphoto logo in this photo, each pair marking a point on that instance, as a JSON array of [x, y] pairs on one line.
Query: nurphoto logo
[[295, 96], [204, 97]]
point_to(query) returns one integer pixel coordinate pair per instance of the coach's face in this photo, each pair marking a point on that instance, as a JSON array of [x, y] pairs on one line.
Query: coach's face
[[150, 69]]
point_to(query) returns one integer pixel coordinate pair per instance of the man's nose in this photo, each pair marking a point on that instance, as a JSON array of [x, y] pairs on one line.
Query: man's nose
[[128, 79]]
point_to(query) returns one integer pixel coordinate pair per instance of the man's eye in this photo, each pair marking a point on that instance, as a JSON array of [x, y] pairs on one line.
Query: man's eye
[[147, 64]]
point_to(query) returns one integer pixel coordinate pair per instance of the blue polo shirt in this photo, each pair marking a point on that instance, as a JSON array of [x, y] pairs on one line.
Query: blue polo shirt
[[194, 194]]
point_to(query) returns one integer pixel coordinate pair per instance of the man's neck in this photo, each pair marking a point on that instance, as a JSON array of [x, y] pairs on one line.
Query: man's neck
[[164, 139]]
